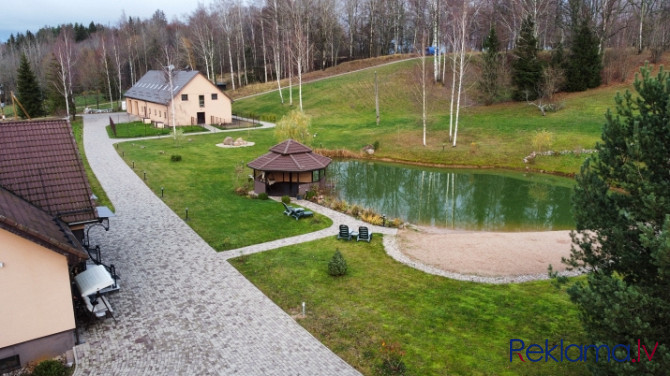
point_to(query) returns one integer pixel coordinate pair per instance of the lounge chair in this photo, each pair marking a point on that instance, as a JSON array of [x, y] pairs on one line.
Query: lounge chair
[[364, 234], [344, 233], [290, 210], [300, 212]]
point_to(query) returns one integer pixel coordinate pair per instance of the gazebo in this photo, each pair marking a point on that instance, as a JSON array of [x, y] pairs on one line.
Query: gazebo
[[289, 168]]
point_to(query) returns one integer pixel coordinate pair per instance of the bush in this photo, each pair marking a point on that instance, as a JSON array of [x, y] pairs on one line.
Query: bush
[[50, 368], [285, 199], [337, 265], [375, 145], [263, 196], [392, 363], [542, 140], [175, 158]]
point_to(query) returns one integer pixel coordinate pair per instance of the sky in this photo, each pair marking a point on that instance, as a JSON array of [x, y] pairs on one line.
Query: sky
[[31, 15]]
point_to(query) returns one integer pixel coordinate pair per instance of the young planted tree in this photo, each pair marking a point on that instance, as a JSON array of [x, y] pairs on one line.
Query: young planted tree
[[622, 213], [296, 125], [526, 68], [28, 91], [490, 65]]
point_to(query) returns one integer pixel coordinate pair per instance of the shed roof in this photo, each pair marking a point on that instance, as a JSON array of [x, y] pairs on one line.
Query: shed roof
[[290, 156], [39, 162], [20, 217], [154, 86]]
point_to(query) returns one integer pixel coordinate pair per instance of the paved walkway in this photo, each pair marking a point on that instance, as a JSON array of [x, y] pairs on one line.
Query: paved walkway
[[183, 309]]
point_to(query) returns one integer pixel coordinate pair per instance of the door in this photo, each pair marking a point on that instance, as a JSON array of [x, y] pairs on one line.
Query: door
[[201, 118]]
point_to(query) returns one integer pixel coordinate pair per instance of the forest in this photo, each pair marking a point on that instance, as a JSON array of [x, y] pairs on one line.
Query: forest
[[240, 43]]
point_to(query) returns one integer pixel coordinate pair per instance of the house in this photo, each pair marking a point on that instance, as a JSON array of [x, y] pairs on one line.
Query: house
[[196, 100], [289, 168], [36, 314], [45, 204]]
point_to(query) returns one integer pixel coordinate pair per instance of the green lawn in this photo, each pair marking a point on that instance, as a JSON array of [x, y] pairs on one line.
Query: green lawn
[[139, 129], [444, 326], [343, 116], [204, 182], [78, 130]]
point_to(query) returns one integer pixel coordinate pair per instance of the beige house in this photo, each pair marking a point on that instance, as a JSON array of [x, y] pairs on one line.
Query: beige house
[[45, 205], [196, 99], [36, 314]]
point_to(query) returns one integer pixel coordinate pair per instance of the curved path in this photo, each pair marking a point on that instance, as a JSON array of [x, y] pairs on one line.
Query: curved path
[[182, 308]]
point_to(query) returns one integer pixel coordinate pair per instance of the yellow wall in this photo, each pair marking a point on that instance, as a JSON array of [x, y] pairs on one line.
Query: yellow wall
[[187, 110], [35, 298]]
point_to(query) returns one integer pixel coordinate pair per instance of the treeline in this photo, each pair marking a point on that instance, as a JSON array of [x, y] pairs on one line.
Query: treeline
[[261, 41]]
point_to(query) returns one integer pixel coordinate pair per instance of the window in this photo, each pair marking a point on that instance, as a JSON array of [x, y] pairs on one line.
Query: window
[[10, 363], [215, 96], [184, 97], [201, 100]]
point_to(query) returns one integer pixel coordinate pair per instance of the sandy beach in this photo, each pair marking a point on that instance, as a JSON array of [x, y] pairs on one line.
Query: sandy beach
[[494, 254]]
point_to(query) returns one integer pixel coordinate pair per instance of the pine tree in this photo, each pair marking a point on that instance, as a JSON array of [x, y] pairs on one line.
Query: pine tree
[[28, 91], [583, 65], [622, 212], [526, 68], [488, 82]]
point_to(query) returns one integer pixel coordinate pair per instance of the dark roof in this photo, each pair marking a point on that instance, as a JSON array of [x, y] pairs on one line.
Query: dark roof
[[290, 156], [154, 86], [30, 222], [39, 162]]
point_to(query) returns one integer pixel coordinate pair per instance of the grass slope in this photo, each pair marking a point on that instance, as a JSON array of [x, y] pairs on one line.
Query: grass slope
[[496, 136], [78, 131], [204, 182], [444, 326]]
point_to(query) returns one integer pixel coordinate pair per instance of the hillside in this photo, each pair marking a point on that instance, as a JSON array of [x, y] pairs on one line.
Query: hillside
[[343, 117]]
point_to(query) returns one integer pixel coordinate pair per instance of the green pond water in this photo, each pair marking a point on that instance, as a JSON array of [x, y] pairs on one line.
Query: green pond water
[[453, 198]]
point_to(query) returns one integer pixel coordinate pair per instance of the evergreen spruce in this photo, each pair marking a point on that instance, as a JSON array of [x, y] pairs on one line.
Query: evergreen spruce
[[584, 64], [488, 82], [526, 68], [622, 212], [337, 265], [28, 91]]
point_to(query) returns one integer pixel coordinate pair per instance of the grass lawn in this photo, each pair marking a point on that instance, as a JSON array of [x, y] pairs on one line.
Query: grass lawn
[[444, 326], [204, 181], [139, 129], [78, 130], [343, 116]]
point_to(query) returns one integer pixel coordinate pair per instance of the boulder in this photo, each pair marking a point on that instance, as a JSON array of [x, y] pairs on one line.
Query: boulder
[[239, 142], [228, 141]]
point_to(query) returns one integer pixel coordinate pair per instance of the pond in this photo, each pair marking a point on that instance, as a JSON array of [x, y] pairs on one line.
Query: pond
[[453, 198]]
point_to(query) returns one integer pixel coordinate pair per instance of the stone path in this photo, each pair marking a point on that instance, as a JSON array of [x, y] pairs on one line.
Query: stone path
[[183, 309]]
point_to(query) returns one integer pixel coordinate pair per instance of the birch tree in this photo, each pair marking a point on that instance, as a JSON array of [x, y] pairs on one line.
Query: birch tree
[[64, 55]]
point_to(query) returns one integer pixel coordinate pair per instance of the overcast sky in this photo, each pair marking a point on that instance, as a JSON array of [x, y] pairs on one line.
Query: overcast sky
[[22, 15]]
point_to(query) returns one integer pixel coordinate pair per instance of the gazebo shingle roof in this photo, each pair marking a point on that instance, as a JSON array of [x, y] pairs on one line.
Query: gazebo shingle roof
[[290, 156], [40, 162]]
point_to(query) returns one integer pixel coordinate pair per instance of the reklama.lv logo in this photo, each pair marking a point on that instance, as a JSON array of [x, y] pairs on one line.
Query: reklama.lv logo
[[577, 353]]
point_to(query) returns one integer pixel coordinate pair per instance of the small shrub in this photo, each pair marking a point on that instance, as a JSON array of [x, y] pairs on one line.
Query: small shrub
[[263, 196], [241, 191], [50, 368], [542, 140], [375, 145], [337, 266], [474, 148], [355, 210], [285, 199], [175, 158], [340, 206], [392, 363]]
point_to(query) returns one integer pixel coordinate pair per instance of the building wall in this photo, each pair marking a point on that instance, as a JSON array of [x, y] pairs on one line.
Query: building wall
[[219, 110], [156, 113], [35, 295]]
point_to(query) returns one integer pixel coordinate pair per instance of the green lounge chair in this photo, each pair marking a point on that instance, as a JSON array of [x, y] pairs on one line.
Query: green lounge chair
[[344, 233], [364, 234]]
